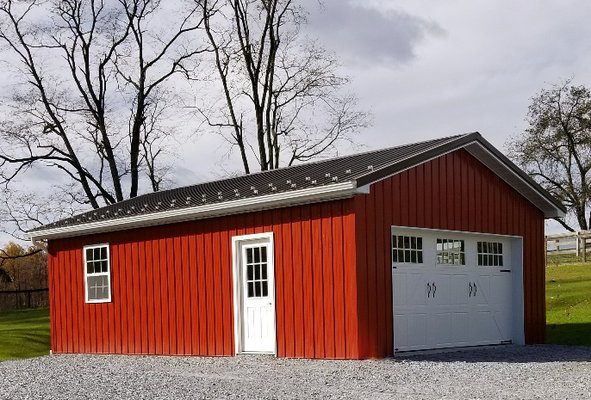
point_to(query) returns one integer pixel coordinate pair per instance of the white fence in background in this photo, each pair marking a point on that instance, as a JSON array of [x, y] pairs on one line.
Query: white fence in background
[[573, 244]]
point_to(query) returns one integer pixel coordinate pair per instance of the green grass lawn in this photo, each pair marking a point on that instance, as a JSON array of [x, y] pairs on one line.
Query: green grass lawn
[[24, 333], [568, 304]]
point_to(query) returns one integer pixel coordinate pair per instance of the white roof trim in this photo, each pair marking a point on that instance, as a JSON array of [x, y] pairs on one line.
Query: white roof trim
[[284, 199]]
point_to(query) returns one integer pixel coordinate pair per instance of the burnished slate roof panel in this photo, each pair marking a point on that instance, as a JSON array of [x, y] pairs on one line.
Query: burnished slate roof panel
[[361, 169], [314, 174]]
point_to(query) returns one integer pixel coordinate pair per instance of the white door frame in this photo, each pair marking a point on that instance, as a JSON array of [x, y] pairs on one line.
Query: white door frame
[[516, 272], [237, 242]]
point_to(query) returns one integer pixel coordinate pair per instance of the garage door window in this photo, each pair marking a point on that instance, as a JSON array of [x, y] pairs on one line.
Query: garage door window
[[451, 252], [490, 254], [407, 249]]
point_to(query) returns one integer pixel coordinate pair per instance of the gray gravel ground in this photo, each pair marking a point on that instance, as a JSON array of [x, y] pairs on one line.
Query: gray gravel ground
[[510, 372]]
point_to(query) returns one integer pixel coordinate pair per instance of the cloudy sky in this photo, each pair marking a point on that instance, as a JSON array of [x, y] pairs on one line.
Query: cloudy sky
[[434, 68]]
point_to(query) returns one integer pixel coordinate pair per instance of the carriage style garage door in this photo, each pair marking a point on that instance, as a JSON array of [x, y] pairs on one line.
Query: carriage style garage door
[[453, 289]]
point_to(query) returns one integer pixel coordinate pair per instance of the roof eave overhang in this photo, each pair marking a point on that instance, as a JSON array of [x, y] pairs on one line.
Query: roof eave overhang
[[285, 199]]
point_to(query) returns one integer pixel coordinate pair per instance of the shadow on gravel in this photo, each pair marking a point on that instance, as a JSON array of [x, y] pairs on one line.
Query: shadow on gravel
[[508, 354]]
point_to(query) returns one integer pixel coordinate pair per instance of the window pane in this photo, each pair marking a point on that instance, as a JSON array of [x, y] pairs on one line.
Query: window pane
[[257, 289], [249, 272], [406, 249], [500, 261], [264, 271], [97, 267], [98, 287], [105, 266], [479, 258], [250, 289], [89, 268], [88, 254], [248, 256], [264, 254], [257, 255], [257, 271], [265, 289], [104, 253], [97, 254], [479, 247], [420, 257]]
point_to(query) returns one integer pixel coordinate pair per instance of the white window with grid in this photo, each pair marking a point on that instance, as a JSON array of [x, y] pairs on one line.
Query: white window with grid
[[407, 249], [490, 254], [97, 273], [451, 252]]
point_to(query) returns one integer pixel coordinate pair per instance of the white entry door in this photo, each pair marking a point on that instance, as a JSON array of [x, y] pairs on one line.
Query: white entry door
[[256, 319], [453, 289]]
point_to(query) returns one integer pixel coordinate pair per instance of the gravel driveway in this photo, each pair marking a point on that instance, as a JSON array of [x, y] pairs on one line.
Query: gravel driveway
[[513, 372]]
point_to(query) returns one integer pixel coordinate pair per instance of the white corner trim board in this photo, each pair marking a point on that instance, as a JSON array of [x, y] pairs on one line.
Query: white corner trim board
[[311, 195]]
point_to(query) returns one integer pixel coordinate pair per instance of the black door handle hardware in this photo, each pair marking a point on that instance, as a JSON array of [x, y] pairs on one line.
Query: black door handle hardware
[[434, 289], [470, 286], [475, 289], [429, 293]]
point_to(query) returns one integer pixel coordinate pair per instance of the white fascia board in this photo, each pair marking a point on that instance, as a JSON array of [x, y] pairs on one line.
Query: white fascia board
[[284, 199]]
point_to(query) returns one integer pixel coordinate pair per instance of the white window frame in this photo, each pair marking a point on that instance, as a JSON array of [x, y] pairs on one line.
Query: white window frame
[[394, 248], [86, 275], [485, 254]]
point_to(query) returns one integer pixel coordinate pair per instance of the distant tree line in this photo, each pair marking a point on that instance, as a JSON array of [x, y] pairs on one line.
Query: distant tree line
[[22, 268]]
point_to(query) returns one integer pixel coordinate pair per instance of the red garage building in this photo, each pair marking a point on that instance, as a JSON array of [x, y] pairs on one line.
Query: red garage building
[[429, 245]]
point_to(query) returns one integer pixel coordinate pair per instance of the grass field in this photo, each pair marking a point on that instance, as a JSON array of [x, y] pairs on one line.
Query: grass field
[[24, 333], [568, 304]]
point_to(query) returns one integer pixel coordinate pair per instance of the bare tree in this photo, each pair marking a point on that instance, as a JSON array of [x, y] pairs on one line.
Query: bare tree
[[94, 93], [283, 100], [556, 148]]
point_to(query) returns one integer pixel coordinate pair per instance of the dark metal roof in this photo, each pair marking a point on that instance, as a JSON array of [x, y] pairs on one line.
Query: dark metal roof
[[363, 169]]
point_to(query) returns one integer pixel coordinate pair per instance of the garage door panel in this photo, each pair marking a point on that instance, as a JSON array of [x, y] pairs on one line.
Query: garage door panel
[[460, 327], [401, 330], [440, 332], [504, 324], [410, 331], [461, 303]]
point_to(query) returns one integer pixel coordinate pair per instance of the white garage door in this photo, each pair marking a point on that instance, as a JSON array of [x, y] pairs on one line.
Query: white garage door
[[452, 289]]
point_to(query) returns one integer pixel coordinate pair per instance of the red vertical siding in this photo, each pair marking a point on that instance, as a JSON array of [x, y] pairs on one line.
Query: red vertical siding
[[172, 286], [454, 192]]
